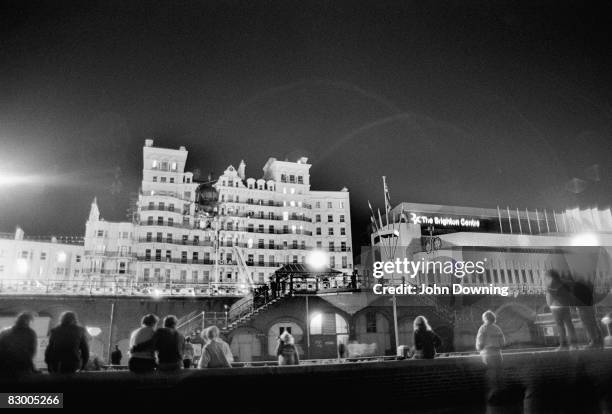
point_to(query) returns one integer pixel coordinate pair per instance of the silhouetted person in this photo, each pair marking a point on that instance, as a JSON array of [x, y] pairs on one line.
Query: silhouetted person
[[426, 341], [273, 288], [18, 346], [489, 342], [68, 350], [559, 299], [168, 343], [143, 361], [116, 356], [583, 296], [354, 280], [286, 351], [341, 350], [188, 353], [216, 353]]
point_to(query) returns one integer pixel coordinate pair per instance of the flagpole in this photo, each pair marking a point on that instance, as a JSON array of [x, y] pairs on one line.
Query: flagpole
[[518, 214], [538, 221], [509, 219], [528, 221], [546, 218], [500, 220], [555, 218]]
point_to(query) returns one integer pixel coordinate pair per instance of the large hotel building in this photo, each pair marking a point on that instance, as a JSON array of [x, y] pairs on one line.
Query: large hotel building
[[190, 237]]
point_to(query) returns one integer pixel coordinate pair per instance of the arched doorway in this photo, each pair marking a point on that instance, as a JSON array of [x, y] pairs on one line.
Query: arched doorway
[[245, 345], [327, 332], [517, 323], [278, 328], [372, 333]]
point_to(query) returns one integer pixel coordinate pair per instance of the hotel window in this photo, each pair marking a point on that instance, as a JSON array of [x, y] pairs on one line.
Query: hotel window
[[341, 218], [271, 229], [172, 180], [150, 220], [260, 228], [330, 218], [250, 260], [43, 256], [294, 244], [162, 205], [343, 246], [183, 257], [292, 190], [145, 275], [271, 260], [164, 165], [319, 244], [168, 255], [159, 237], [318, 232], [78, 259], [270, 244], [329, 204], [342, 231], [149, 237], [194, 276], [344, 262], [121, 268], [194, 257], [283, 178], [318, 218], [163, 179], [331, 246], [157, 274], [205, 275], [154, 179], [160, 221], [342, 204], [154, 164], [196, 240], [303, 245], [148, 254], [292, 179], [285, 215], [260, 260], [100, 233], [300, 179], [169, 275], [169, 238], [495, 276], [488, 275], [158, 255], [295, 259], [330, 231], [171, 207]]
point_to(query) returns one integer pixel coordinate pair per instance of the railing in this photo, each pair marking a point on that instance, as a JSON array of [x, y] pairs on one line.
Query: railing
[[109, 254], [268, 203], [266, 231], [267, 217], [116, 288], [160, 208], [175, 241]]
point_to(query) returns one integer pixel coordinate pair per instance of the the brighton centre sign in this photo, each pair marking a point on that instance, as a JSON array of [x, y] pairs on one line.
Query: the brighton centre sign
[[444, 221]]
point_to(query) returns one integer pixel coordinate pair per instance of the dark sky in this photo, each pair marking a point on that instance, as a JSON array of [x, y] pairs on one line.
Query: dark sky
[[474, 103]]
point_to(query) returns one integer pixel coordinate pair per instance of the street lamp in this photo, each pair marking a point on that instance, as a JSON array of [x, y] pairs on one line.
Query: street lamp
[[226, 307], [317, 259]]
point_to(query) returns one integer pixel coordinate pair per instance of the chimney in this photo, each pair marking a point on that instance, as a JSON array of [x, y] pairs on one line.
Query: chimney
[[241, 169], [148, 142]]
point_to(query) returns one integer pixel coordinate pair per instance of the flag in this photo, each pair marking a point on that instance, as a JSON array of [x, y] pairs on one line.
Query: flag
[[380, 219]]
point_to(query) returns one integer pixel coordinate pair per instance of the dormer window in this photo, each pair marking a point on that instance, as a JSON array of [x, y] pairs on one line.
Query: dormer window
[[300, 179], [164, 165], [283, 178], [292, 179], [173, 166], [154, 164]]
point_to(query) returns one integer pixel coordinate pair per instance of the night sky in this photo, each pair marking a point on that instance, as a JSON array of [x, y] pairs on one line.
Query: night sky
[[477, 103]]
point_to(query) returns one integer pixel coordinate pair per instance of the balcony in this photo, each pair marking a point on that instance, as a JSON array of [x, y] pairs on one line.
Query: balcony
[[175, 260], [159, 208], [176, 241]]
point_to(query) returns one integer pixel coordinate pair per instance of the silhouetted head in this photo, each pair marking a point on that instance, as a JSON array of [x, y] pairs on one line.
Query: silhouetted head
[[187, 339], [553, 274], [24, 320], [170, 321], [149, 320], [421, 324], [489, 317], [210, 333], [68, 318]]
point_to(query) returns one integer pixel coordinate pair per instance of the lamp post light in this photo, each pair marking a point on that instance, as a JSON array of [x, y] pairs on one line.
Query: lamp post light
[[226, 315]]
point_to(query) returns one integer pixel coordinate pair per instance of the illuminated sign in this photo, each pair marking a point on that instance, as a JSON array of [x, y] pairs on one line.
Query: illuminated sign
[[444, 221]]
